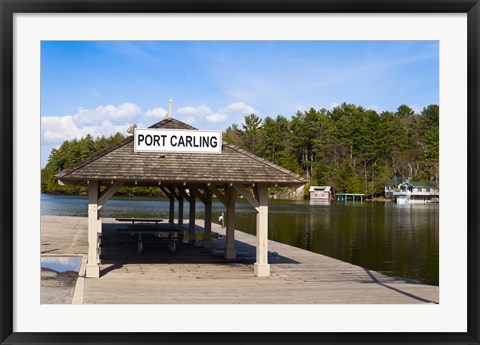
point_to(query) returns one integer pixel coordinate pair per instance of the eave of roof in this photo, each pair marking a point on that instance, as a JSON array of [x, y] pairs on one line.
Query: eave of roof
[[152, 168], [422, 184]]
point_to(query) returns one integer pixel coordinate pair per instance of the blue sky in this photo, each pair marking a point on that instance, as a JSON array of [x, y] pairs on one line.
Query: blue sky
[[100, 87]]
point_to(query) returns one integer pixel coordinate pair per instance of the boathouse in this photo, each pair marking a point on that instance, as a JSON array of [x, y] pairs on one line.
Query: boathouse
[[321, 193], [417, 193], [182, 175]]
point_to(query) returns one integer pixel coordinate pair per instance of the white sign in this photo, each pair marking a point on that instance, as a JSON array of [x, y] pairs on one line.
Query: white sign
[[177, 140]]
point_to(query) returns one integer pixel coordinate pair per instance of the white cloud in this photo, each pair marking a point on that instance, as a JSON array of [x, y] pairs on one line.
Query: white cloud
[[158, 113], [300, 108], [238, 107], [216, 117], [190, 120], [122, 112], [203, 112], [109, 119], [103, 120], [417, 108], [376, 108], [57, 128], [334, 105]]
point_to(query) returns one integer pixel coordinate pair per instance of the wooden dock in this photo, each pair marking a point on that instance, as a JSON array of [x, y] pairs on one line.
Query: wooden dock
[[194, 275]]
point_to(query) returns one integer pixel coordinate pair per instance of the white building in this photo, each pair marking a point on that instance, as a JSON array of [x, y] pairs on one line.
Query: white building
[[417, 193], [321, 193]]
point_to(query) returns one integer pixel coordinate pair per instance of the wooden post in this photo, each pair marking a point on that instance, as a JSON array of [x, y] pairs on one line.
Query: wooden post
[[191, 225], [261, 268], [230, 252], [171, 212], [180, 214], [94, 227], [108, 193], [207, 236]]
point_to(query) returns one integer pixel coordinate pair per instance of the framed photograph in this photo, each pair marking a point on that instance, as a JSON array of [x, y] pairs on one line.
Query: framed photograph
[[303, 59]]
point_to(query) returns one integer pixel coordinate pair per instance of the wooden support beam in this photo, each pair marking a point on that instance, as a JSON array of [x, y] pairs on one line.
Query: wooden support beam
[[218, 194], [185, 195], [255, 193], [180, 211], [191, 224], [246, 194], [207, 236], [261, 268], [201, 195], [171, 210], [230, 252], [171, 191], [165, 191], [176, 195], [94, 227], [108, 193]]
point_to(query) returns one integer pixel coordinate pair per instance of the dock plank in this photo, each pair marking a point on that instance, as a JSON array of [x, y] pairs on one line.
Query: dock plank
[[196, 276]]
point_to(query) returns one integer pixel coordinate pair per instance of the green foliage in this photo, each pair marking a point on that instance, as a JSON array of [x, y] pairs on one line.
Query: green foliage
[[231, 135], [73, 151], [404, 110], [353, 149], [249, 134]]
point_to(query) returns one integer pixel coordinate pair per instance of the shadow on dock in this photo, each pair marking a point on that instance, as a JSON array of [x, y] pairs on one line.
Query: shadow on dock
[[120, 248], [376, 281]]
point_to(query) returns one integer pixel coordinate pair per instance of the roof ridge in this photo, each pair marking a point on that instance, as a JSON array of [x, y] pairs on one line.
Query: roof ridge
[[94, 157], [262, 160]]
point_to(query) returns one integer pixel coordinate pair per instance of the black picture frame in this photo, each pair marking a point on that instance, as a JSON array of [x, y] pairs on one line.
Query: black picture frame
[[10, 7]]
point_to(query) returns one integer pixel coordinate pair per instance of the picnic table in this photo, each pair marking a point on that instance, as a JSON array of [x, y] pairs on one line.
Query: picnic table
[[149, 225]]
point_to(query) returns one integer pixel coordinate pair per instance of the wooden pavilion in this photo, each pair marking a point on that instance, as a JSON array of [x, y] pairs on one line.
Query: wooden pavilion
[[181, 176]]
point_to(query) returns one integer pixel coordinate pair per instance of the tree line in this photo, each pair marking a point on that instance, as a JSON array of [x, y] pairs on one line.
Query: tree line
[[353, 149], [74, 151]]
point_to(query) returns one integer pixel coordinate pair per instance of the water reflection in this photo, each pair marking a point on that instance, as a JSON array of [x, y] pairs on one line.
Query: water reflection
[[400, 240], [62, 263], [397, 240]]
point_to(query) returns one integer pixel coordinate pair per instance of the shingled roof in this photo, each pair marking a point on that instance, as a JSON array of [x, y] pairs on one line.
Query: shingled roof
[[120, 163]]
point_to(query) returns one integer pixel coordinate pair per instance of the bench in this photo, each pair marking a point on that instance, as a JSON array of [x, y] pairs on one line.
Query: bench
[[149, 225]]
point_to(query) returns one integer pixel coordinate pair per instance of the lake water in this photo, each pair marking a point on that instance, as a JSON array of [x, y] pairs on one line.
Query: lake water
[[398, 240]]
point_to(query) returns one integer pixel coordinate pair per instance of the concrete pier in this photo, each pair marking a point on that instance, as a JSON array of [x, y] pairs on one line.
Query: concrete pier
[[198, 275]]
